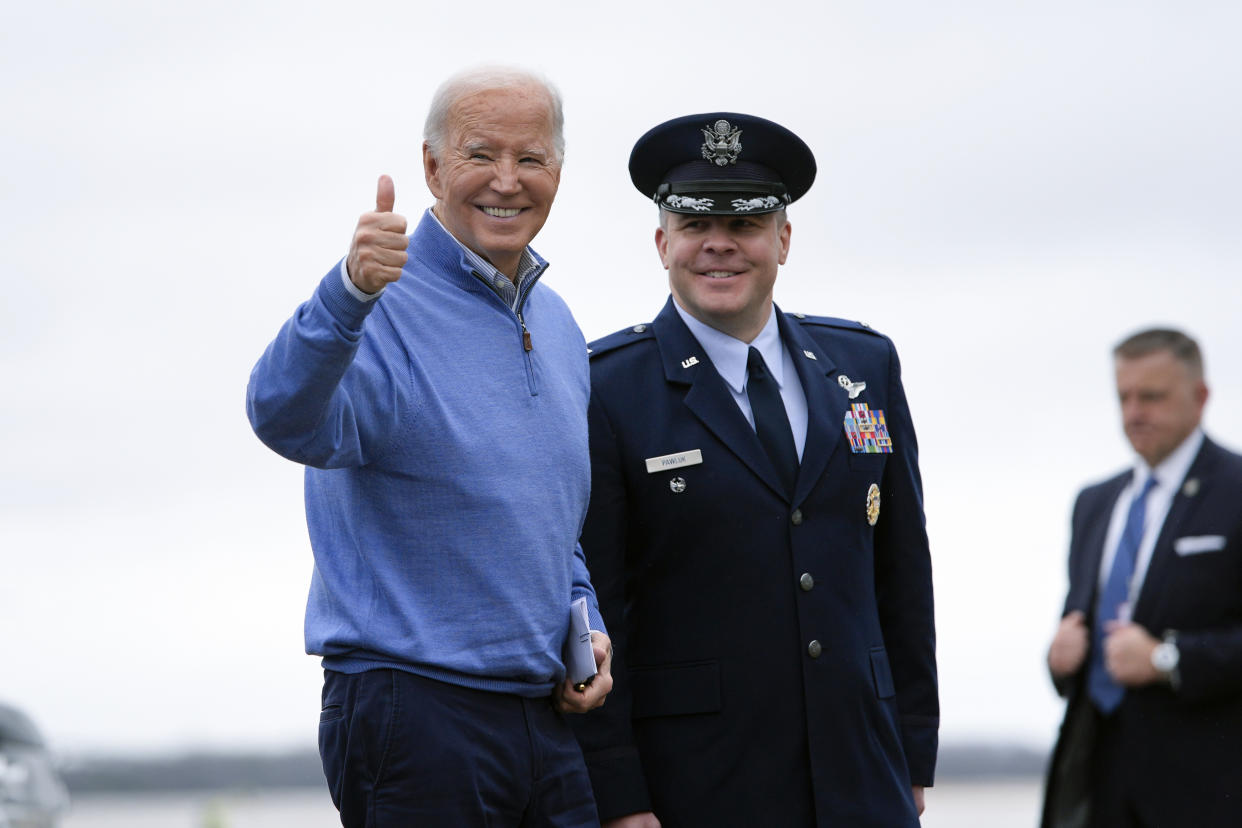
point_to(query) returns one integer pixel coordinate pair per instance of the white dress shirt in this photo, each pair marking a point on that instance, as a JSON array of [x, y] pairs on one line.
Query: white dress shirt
[[1170, 474]]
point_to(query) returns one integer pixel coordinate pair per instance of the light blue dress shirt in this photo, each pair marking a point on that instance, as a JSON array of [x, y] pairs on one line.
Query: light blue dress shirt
[[729, 356]]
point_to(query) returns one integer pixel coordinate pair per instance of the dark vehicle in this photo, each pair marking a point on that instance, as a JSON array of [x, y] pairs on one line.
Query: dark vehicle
[[32, 794]]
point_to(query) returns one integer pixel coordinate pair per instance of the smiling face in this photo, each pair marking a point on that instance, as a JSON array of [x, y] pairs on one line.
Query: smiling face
[[498, 173], [1161, 403], [721, 269]]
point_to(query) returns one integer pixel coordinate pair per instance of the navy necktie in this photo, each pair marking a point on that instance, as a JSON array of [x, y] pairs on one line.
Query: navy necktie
[[1105, 692], [771, 421]]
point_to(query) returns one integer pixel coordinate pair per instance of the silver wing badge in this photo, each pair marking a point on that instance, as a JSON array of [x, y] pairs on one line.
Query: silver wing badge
[[852, 388]]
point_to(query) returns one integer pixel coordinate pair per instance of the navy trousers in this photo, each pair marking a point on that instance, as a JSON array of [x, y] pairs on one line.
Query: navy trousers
[[400, 750]]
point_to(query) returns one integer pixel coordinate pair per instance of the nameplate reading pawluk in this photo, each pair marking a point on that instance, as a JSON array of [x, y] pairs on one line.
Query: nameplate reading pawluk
[[673, 461]]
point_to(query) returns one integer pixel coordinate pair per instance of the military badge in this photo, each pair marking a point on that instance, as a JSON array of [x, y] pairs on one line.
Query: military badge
[[867, 431], [873, 504], [852, 388], [722, 143]]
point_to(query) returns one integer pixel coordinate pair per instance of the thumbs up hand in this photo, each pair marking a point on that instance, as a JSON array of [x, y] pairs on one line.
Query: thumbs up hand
[[377, 252]]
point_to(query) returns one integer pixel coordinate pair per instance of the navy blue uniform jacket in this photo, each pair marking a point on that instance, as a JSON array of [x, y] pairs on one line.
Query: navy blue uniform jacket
[[774, 658], [1184, 746]]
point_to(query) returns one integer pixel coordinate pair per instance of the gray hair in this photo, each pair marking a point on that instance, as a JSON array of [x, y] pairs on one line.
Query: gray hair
[[1149, 341], [435, 130]]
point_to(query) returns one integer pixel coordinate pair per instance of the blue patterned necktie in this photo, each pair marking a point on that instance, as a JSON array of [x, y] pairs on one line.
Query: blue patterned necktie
[[771, 420], [1105, 692]]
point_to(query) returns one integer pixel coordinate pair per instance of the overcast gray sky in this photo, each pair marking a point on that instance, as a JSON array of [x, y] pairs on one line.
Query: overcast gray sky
[[1006, 189]]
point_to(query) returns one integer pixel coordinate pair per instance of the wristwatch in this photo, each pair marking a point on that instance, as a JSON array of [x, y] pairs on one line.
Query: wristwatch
[[1166, 656]]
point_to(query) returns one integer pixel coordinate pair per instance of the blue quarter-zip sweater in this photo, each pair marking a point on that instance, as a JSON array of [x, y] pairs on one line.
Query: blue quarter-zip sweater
[[447, 470]]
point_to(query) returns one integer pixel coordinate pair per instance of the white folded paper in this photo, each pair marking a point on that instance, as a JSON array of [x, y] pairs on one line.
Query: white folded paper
[[579, 655]]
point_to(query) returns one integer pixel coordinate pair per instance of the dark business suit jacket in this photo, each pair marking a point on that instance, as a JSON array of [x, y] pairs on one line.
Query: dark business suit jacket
[[1183, 746], [774, 655]]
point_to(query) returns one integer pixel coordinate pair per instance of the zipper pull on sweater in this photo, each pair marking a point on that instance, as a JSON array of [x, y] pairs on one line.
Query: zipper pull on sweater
[[526, 343]]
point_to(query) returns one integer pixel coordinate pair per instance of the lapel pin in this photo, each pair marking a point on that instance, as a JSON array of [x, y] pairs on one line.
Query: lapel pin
[[1191, 487], [677, 484], [852, 388], [810, 355], [686, 363]]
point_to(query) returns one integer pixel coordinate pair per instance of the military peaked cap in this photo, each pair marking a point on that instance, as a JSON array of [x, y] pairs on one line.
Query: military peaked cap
[[721, 163]]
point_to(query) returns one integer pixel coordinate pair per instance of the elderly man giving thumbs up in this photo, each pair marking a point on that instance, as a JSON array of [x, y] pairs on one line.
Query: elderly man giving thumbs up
[[437, 394]]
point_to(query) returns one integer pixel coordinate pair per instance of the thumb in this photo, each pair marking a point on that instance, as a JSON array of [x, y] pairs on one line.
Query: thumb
[[385, 195]]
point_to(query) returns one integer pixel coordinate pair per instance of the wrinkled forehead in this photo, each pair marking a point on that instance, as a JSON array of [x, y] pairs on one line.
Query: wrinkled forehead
[[518, 111]]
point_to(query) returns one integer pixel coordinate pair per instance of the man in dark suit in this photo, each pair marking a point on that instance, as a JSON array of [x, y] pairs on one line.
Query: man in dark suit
[[1149, 648], [755, 533]]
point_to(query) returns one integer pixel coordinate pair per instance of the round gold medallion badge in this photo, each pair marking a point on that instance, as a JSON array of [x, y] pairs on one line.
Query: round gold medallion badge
[[873, 504]]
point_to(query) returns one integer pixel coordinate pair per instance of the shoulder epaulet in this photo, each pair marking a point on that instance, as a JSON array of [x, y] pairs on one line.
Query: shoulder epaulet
[[623, 337], [834, 322]]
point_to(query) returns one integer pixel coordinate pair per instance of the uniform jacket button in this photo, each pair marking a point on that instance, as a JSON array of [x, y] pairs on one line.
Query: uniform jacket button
[[814, 649], [806, 582], [796, 517]]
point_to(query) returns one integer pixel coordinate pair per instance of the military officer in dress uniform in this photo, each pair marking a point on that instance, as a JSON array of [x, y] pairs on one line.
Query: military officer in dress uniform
[[756, 533]]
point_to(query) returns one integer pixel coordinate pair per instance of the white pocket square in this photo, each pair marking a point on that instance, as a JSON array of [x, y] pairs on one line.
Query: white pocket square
[[1199, 544]]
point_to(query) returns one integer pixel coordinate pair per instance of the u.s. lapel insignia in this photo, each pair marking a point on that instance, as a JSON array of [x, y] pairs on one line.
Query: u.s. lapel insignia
[[852, 388], [686, 363], [867, 430], [811, 355], [1191, 487], [873, 504]]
